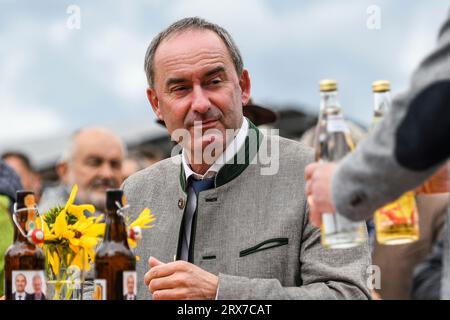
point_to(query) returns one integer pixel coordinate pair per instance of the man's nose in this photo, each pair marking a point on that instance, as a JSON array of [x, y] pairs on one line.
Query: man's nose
[[200, 100], [106, 170]]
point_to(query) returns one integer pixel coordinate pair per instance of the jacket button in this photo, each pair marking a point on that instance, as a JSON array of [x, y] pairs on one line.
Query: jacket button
[[181, 203]]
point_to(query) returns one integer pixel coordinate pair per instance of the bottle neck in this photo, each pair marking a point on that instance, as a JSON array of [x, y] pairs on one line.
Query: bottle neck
[[115, 228], [329, 105], [382, 103], [329, 99]]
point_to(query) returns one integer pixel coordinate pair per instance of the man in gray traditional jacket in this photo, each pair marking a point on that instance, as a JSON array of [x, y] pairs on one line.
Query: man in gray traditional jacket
[[231, 223], [409, 145]]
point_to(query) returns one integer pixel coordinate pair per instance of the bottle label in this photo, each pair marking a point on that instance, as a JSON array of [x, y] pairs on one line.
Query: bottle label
[[336, 123], [401, 212], [129, 285], [29, 285], [99, 289], [30, 203]]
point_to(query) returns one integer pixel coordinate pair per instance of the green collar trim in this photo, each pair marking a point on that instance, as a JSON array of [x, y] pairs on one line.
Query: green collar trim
[[240, 161], [242, 158]]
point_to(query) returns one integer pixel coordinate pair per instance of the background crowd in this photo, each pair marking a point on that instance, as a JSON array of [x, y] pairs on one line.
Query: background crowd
[[96, 158]]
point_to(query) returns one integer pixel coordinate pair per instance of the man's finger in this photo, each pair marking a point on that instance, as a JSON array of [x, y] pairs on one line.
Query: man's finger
[[309, 170], [167, 269], [308, 187], [170, 282], [153, 262], [310, 201], [315, 216], [171, 294], [147, 278]]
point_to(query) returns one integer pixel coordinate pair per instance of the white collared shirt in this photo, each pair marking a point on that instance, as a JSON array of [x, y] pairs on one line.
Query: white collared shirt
[[21, 296], [226, 156]]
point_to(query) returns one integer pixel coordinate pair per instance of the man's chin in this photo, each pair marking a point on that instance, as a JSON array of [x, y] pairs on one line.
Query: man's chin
[[98, 199]]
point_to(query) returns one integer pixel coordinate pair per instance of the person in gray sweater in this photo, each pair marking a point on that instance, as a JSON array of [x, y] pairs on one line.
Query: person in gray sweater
[[409, 145]]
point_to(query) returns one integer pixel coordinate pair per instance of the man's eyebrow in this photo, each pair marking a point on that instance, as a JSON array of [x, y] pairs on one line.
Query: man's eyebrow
[[214, 71], [172, 81]]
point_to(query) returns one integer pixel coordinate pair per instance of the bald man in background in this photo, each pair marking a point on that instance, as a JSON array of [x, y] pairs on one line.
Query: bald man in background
[[93, 160]]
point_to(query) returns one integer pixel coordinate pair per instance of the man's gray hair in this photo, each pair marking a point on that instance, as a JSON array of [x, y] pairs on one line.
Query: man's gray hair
[[37, 276], [186, 24]]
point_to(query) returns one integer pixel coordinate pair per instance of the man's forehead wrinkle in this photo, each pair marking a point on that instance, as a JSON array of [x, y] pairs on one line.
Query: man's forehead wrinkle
[[179, 67], [203, 56]]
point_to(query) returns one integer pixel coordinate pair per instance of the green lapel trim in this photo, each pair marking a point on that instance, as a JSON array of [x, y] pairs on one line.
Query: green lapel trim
[[243, 157], [240, 161]]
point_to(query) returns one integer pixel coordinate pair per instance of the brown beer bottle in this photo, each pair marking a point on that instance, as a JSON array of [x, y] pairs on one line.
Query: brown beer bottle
[[24, 260], [115, 263]]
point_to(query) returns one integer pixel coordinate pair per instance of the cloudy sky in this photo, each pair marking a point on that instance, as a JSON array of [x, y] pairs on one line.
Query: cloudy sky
[[54, 79]]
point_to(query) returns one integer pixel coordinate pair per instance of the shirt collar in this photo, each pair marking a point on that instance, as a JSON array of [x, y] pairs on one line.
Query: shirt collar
[[225, 157]]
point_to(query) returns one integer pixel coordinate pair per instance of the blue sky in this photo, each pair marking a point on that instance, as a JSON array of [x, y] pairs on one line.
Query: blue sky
[[54, 80]]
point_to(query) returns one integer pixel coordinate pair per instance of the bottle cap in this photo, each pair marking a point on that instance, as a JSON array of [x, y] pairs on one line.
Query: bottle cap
[[381, 86], [328, 85], [25, 199], [113, 196]]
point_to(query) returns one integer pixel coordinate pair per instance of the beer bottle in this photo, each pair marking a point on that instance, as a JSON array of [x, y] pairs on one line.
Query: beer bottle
[[115, 263], [24, 260], [334, 143], [397, 222]]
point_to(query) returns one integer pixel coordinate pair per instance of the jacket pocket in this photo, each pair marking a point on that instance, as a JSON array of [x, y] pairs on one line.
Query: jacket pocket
[[267, 244]]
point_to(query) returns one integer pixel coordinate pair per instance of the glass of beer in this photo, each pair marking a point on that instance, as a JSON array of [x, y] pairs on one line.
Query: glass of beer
[[398, 222]]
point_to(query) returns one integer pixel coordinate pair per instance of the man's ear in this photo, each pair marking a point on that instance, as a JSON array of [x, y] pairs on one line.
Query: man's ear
[[244, 83], [154, 102], [62, 168]]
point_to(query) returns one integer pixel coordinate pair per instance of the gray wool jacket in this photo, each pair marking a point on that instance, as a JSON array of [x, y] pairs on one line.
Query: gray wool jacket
[[251, 230], [408, 146]]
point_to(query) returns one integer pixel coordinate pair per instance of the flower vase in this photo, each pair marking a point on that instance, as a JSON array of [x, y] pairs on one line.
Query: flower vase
[[64, 275]]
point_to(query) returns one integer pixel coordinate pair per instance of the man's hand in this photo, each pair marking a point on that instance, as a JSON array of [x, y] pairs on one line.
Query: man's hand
[[180, 280], [318, 190]]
